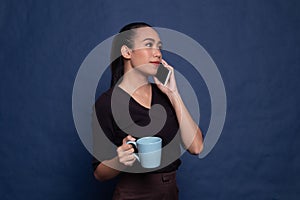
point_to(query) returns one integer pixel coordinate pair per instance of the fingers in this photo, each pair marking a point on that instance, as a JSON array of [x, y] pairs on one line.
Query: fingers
[[128, 138], [172, 82], [167, 65], [125, 152], [126, 158], [156, 81], [164, 62]]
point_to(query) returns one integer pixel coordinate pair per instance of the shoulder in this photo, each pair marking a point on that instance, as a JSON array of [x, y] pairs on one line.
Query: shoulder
[[103, 104], [104, 99]]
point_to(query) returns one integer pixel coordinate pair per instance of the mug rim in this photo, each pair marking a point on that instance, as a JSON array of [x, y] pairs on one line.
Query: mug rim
[[158, 140]]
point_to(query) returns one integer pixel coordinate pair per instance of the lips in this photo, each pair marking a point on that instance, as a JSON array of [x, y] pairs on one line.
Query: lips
[[155, 62]]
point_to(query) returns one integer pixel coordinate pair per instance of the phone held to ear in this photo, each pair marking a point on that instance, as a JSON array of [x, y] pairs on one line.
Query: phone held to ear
[[163, 74]]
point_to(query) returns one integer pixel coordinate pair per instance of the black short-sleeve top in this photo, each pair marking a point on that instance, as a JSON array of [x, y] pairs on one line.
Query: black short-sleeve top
[[115, 130]]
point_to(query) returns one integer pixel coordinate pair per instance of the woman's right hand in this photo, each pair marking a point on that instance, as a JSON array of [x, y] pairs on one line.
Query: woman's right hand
[[125, 152]]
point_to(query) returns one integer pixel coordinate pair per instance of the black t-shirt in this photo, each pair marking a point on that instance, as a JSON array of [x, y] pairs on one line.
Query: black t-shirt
[[119, 115]]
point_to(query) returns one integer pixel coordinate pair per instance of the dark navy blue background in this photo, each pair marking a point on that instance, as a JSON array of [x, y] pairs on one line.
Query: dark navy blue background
[[255, 44]]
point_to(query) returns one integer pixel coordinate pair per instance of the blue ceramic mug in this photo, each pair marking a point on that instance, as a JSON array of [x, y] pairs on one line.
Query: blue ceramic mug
[[149, 151]]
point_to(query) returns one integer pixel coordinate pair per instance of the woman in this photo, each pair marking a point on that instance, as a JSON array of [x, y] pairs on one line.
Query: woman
[[136, 55]]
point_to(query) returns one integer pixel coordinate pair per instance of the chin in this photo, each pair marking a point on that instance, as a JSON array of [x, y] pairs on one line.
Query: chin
[[149, 70], [153, 72]]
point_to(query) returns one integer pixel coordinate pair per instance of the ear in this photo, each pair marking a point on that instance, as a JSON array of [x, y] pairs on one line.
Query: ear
[[126, 52]]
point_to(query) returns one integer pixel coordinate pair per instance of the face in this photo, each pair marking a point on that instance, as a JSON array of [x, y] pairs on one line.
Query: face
[[146, 53]]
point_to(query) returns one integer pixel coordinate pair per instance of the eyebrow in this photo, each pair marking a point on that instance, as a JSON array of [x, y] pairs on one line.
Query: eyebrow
[[151, 39]]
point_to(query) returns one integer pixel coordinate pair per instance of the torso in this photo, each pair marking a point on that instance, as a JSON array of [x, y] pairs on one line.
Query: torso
[[139, 111]]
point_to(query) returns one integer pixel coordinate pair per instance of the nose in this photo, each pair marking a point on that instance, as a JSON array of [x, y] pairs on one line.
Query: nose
[[157, 53]]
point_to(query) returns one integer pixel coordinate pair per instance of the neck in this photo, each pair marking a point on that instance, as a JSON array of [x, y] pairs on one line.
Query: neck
[[134, 80]]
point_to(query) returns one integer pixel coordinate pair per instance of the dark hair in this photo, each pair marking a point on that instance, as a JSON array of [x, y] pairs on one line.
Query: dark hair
[[125, 37]]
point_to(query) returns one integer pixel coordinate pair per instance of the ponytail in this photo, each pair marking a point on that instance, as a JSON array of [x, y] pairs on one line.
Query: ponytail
[[125, 37]]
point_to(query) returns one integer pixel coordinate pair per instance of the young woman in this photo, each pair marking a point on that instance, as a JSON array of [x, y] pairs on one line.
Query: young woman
[[136, 55]]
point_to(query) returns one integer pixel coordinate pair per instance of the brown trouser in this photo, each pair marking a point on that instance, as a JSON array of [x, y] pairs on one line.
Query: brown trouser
[[161, 186]]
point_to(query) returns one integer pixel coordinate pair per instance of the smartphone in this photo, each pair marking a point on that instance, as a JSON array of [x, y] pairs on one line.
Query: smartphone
[[163, 74]]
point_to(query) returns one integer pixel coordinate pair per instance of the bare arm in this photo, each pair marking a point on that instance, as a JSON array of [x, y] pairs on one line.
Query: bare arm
[[103, 172], [109, 169], [190, 132]]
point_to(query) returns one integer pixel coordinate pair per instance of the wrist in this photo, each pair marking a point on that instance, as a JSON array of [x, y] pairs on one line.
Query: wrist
[[174, 96]]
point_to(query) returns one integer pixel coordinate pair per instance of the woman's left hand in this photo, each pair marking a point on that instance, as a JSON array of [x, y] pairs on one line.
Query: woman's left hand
[[171, 86]]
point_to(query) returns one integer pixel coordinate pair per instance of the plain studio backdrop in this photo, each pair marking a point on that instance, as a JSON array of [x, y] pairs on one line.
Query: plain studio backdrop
[[254, 43]]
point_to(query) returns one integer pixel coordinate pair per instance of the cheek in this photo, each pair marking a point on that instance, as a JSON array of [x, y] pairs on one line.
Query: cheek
[[141, 56], [144, 52]]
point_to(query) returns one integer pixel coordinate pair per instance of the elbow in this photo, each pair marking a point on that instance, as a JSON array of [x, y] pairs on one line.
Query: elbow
[[197, 146], [104, 173], [99, 173], [99, 177], [196, 150]]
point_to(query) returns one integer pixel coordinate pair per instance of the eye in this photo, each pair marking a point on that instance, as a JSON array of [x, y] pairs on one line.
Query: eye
[[149, 44]]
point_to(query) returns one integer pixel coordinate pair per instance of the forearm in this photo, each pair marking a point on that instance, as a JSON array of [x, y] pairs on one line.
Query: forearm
[[190, 132], [109, 169], [106, 170]]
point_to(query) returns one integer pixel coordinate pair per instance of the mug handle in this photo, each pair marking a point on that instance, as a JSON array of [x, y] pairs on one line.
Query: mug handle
[[134, 146]]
